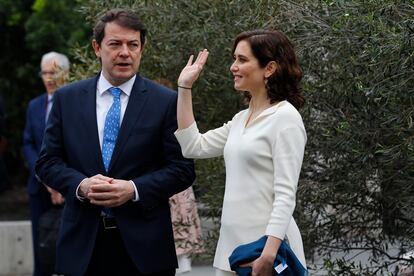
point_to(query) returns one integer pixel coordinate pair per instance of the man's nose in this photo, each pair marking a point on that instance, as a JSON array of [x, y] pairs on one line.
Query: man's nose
[[124, 50]]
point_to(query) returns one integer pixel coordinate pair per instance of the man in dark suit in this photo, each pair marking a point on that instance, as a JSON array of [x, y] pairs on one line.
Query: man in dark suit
[[109, 148], [54, 71]]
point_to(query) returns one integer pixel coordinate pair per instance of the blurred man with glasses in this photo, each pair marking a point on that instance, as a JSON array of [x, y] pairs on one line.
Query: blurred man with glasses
[[54, 74]]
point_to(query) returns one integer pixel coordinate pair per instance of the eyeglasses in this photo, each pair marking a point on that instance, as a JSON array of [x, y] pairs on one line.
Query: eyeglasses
[[48, 73]]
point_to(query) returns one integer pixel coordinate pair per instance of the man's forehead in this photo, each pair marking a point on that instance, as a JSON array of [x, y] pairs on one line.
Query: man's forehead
[[118, 32], [53, 63]]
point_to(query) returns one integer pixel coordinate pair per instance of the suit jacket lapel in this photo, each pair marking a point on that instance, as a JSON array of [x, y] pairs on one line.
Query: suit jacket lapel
[[39, 115], [42, 112], [88, 107], [136, 103]]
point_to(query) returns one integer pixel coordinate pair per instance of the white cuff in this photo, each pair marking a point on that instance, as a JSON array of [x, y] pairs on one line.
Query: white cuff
[[136, 192], [81, 198]]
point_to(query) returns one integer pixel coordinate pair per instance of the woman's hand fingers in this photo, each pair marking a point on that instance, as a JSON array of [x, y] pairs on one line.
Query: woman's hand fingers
[[190, 60], [201, 58], [198, 57], [246, 264], [192, 70]]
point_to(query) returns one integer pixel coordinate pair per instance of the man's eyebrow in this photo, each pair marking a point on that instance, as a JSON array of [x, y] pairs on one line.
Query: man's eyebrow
[[117, 40]]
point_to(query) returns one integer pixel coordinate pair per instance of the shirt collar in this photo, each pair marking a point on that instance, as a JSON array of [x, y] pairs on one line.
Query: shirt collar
[[272, 109], [104, 85]]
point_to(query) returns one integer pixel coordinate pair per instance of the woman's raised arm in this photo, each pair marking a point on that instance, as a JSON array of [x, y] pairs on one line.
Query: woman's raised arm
[[190, 73]]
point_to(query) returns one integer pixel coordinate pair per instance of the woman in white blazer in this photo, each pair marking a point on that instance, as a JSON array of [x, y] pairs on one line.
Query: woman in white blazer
[[263, 146]]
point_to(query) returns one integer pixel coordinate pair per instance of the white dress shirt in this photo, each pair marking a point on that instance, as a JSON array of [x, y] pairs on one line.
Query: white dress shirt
[[104, 100], [263, 162]]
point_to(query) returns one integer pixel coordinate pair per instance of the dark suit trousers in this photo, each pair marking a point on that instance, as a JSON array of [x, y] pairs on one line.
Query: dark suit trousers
[[110, 257], [39, 204]]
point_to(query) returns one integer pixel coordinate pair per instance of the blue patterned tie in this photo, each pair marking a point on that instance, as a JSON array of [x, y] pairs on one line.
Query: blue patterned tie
[[111, 130], [111, 127]]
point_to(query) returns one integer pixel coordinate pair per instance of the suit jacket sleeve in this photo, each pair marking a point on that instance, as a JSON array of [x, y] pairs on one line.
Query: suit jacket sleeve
[[29, 147], [51, 167], [176, 175]]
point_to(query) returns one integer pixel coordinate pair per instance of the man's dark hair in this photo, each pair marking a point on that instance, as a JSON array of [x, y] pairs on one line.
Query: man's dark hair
[[122, 17]]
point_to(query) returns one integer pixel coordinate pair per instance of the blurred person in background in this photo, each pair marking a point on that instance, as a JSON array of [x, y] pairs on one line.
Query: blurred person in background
[[54, 72]]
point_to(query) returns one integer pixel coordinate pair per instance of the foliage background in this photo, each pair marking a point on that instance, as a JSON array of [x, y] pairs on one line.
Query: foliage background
[[358, 173], [356, 190], [28, 29]]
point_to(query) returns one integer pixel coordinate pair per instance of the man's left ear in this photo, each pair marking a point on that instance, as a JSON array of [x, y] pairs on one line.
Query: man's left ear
[[271, 68]]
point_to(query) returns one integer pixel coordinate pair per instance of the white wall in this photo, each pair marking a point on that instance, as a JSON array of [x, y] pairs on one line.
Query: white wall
[[16, 251]]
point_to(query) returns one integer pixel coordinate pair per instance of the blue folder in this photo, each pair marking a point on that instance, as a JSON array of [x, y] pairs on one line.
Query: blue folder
[[286, 262]]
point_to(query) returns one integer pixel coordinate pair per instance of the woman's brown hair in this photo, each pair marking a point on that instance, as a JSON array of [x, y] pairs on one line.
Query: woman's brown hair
[[269, 46]]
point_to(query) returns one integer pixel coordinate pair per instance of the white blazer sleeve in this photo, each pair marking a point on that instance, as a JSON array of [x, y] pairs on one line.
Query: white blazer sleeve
[[196, 145], [287, 151]]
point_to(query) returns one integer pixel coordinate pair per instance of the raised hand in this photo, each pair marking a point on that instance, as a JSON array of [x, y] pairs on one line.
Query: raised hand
[[192, 70]]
